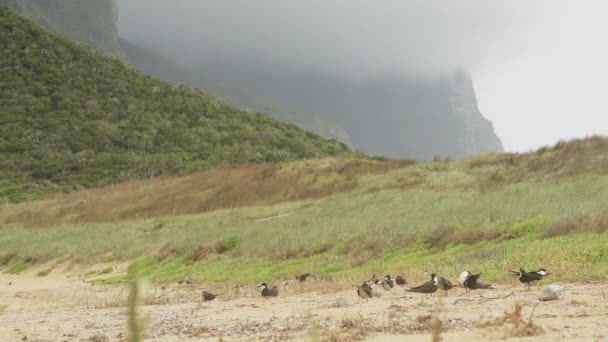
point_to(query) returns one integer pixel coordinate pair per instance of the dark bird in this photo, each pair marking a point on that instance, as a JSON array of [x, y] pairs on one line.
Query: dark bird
[[470, 281], [400, 281], [266, 292], [428, 287], [208, 296], [364, 291], [302, 277], [444, 284], [527, 279], [389, 281]]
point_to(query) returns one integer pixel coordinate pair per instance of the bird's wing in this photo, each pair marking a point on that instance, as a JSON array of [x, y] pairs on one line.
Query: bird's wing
[[474, 277]]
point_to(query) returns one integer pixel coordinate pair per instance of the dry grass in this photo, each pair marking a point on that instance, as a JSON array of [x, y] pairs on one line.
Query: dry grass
[[519, 327], [99, 338], [220, 188], [442, 236], [596, 223]]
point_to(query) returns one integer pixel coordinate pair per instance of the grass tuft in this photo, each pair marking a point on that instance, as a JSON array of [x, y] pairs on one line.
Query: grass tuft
[[16, 268]]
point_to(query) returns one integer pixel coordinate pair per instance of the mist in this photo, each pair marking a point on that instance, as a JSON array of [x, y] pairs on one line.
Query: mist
[[535, 64], [352, 38]]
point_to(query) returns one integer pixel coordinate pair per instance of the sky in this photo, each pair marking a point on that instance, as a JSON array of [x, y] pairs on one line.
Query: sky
[[539, 66], [556, 86]]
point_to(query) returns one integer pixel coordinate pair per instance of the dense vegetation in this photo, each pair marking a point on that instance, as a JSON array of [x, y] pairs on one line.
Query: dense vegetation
[[91, 22], [71, 117]]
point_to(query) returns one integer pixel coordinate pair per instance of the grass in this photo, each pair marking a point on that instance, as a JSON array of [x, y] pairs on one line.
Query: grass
[[106, 271], [16, 268], [482, 214], [44, 272]]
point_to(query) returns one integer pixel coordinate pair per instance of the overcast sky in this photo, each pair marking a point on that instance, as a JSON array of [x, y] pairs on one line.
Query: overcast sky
[[540, 67], [556, 86]]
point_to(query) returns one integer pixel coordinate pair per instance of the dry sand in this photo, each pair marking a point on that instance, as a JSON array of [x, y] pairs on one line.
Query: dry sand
[[58, 308]]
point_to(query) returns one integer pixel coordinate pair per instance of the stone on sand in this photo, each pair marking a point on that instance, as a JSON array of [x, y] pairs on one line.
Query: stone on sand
[[551, 292]]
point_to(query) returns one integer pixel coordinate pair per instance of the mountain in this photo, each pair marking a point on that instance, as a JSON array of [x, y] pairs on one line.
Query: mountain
[[91, 22], [73, 117], [152, 63], [394, 116]]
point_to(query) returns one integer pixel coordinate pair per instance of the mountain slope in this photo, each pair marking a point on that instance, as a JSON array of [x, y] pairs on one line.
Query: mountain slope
[[392, 115], [152, 63], [72, 117], [91, 22]]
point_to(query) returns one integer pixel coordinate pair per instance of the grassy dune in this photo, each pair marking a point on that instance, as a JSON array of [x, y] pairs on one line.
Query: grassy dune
[[338, 217]]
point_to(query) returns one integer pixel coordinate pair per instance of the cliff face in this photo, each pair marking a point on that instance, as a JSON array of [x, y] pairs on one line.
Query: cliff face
[[478, 134], [393, 116]]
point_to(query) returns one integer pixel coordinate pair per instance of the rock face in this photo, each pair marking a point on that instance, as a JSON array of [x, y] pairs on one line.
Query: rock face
[[551, 292], [478, 134]]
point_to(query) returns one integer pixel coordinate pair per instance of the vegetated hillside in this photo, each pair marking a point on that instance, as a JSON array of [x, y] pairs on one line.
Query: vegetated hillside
[[91, 22], [336, 217], [72, 117], [150, 62]]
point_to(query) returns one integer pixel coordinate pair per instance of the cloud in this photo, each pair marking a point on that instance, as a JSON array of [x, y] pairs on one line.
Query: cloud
[[353, 37]]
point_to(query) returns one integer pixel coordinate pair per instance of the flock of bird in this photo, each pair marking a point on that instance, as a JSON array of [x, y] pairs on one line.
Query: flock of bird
[[466, 279]]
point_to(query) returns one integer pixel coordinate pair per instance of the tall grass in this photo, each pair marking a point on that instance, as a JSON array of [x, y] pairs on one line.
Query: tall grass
[[220, 188], [464, 211]]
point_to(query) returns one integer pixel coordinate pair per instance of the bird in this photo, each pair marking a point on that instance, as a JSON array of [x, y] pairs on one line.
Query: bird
[[469, 281], [400, 280], [302, 277], [208, 296], [266, 292], [364, 291], [541, 272], [527, 279], [386, 283], [389, 281], [428, 287], [444, 284]]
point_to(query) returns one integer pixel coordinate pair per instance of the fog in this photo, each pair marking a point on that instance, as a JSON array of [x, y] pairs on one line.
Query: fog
[[350, 37], [539, 66], [555, 87]]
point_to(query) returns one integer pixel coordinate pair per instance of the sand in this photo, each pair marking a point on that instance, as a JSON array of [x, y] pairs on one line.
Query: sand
[[61, 307]]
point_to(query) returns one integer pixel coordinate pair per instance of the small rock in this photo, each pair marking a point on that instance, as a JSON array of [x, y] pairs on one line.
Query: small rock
[[551, 292]]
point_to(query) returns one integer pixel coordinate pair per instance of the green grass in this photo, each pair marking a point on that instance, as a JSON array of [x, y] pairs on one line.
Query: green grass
[[16, 268], [429, 216], [569, 258]]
